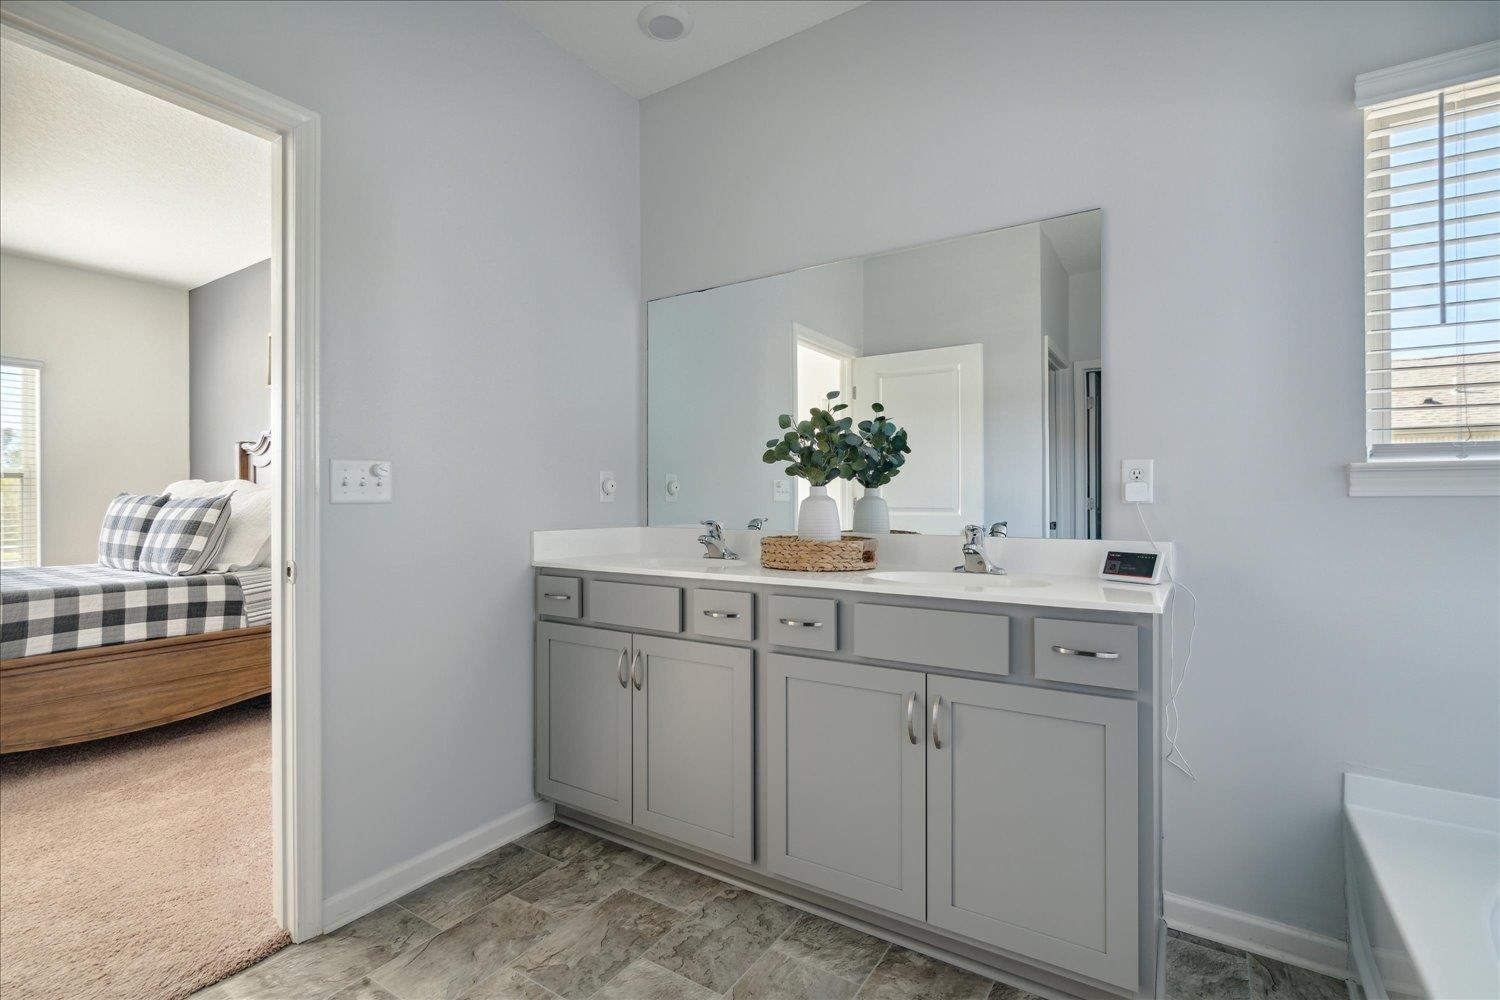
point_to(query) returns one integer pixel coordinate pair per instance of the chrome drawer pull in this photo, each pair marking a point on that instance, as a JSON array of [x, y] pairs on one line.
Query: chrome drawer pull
[[1065, 651], [911, 732], [558, 597], [620, 671], [721, 614], [937, 737], [796, 624], [635, 661]]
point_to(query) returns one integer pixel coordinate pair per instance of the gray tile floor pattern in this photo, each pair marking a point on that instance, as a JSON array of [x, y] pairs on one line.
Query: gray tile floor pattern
[[561, 913]]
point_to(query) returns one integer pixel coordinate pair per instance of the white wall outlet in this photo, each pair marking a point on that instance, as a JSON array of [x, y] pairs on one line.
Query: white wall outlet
[[607, 487], [781, 491], [1137, 480], [359, 480], [674, 489]]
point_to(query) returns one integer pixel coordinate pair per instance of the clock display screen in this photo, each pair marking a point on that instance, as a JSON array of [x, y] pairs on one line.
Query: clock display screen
[[1136, 565]]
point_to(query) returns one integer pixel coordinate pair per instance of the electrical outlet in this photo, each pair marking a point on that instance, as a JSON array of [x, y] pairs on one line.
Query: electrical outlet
[[1137, 480], [674, 488], [781, 491], [607, 487]]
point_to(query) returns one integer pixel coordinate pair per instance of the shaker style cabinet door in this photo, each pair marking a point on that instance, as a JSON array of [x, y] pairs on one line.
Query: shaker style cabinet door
[[1032, 823], [693, 746], [845, 780], [583, 720]]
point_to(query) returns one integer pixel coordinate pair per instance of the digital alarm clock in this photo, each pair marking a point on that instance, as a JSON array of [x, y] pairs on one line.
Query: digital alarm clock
[[1132, 567]]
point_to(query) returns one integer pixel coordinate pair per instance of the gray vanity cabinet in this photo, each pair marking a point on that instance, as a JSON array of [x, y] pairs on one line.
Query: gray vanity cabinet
[[650, 731], [583, 718], [845, 778], [694, 755], [1032, 823]]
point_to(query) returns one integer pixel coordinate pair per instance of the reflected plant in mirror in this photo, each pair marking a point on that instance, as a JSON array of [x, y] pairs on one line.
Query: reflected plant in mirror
[[821, 449], [884, 449]]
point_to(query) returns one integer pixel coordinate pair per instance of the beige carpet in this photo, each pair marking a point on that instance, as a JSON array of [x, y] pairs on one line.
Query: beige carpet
[[140, 866]]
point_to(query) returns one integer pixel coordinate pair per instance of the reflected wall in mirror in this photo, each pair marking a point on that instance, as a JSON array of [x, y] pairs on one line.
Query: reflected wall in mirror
[[986, 348]]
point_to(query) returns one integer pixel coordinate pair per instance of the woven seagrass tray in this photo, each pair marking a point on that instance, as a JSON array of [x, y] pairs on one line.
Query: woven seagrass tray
[[852, 552]]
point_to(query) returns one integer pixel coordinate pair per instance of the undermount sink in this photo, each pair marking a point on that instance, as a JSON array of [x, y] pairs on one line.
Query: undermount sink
[[678, 562], [958, 580]]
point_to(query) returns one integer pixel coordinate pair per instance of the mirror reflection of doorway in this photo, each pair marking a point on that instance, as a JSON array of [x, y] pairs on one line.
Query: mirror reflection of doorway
[[823, 365]]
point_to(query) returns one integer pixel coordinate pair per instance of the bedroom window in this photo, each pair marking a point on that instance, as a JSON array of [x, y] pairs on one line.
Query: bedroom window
[[1432, 279], [20, 462]]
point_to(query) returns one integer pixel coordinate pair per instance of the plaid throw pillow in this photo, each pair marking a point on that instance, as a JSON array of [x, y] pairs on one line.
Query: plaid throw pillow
[[126, 524], [185, 536]]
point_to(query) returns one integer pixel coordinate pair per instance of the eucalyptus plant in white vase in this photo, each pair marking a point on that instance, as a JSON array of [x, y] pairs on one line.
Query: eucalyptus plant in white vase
[[884, 449], [821, 449]]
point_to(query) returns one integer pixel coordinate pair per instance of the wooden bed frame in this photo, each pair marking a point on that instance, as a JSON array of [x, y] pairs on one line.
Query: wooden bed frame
[[60, 698]]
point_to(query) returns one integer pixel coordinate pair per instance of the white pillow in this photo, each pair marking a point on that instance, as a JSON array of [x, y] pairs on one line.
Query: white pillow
[[247, 542]]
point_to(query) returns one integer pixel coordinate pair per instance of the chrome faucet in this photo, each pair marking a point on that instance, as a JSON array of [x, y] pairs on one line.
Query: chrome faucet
[[976, 559], [713, 541], [1000, 529], [757, 524]]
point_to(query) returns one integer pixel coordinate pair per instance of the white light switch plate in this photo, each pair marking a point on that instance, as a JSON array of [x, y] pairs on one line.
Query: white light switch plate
[[781, 491], [359, 480], [1137, 480]]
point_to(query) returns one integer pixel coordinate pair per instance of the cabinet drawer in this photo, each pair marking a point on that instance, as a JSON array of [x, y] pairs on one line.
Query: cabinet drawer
[[559, 596], [804, 622], [957, 639], [636, 605], [1087, 653], [727, 614]]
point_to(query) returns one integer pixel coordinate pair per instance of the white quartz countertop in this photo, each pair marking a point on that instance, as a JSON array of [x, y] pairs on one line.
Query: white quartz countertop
[[918, 571]]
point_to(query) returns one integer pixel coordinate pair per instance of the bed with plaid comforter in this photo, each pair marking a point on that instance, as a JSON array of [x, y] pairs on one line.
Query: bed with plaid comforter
[[54, 609]]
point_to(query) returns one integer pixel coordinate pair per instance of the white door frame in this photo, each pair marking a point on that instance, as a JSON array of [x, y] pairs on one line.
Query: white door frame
[[296, 750]]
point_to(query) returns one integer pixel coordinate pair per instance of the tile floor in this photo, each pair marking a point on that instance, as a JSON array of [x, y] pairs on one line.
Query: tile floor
[[561, 913]]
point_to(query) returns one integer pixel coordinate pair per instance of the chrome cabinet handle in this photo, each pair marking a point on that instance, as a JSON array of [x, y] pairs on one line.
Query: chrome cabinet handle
[[558, 597], [937, 737], [1103, 655], [721, 614], [620, 671], [635, 661], [796, 624], [911, 732]]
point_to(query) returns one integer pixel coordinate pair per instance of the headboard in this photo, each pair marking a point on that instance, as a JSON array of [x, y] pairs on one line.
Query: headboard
[[253, 458]]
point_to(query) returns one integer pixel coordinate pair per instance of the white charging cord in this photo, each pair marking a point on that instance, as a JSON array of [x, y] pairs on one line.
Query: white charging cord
[[1171, 715]]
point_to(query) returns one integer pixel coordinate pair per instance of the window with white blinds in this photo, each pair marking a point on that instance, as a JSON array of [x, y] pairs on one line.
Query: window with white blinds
[[20, 459], [1432, 274]]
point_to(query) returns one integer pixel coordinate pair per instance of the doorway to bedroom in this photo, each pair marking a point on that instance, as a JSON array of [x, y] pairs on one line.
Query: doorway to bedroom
[[139, 391]]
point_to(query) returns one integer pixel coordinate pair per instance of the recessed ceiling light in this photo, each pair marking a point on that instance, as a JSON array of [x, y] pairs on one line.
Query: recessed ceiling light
[[665, 22]]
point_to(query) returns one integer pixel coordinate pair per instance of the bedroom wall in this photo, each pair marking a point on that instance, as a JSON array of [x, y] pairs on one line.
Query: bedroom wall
[[1221, 142], [114, 397], [228, 321], [481, 312]]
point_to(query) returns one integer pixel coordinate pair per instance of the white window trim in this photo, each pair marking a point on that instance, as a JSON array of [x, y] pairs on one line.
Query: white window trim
[[1470, 477]]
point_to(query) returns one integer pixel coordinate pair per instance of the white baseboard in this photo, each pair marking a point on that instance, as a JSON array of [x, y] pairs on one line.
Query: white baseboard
[[398, 880], [1283, 942]]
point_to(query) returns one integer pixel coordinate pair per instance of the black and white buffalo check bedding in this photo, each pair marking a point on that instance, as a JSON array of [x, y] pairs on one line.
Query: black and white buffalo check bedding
[[58, 608]]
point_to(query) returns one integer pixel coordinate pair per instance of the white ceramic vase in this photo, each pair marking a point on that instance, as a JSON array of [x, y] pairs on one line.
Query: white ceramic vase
[[871, 515], [818, 517]]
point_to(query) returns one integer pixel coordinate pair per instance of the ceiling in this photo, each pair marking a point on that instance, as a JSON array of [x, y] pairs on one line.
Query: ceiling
[[605, 35], [100, 175], [1075, 240]]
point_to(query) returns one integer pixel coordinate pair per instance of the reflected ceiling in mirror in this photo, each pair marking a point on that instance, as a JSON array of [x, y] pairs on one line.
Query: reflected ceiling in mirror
[[986, 348]]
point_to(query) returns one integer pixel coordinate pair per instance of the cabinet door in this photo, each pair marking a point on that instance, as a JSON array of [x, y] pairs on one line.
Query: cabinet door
[[845, 780], [1031, 825], [583, 718], [693, 749]]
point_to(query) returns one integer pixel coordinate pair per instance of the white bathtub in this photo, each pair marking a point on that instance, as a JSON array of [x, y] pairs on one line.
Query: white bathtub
[[1422, 867]]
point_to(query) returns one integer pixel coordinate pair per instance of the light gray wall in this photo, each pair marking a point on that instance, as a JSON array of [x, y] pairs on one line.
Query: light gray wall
[[1054, 298], [482, 330], [722, 366], [982, 290], [1084, 304], [114, 394], [228, 320], [1222, 143]]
